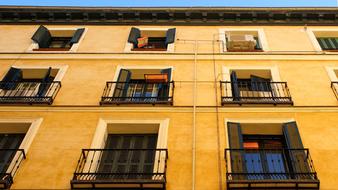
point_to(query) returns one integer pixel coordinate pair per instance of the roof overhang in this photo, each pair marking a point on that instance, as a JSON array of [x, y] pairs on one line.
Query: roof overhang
[[169, 15]]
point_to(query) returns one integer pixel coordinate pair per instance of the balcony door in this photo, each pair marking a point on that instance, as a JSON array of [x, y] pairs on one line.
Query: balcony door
[[8, 145], [265, 157], [129, 156]]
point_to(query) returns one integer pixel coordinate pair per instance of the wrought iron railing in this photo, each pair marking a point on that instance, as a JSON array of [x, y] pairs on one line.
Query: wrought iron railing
[[270, 168], [334, 86], [13, 159], [138, 93], [28, 92], [244, 92], [103, 166]]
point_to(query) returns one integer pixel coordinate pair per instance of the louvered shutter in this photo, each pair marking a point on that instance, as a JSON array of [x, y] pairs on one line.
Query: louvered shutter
[[328, 43], [234, 86], [298, 157], [125, 163], [236, 156], [8, 141], [121, 87], [45, 83], [133, 35], [164, 89], [9, 81], [43, 37], [259, 83], [170, 36], [77, 35]]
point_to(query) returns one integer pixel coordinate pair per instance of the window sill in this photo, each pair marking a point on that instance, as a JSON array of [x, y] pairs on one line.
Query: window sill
[[244, 51], [52, 49], [149, 49]]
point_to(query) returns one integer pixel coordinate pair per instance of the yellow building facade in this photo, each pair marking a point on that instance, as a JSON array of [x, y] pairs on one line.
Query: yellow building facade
[[253, 104]]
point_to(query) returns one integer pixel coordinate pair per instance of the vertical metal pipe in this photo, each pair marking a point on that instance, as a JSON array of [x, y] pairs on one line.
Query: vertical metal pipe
[[194, 118]]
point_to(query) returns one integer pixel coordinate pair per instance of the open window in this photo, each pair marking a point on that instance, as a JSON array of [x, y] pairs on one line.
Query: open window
[[269, 155], [151, 39], [46, 39], [15, 139], [125, 155], [254, 86], [29, 85], [135, 86], [243, 40]]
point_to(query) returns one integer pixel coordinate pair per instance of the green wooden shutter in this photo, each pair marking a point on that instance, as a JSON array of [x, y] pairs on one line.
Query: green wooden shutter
[[133, 35], [128, 161], [45, 83], [121, 87], [164, 89], [259, 83], [234, 86], [170, 36], [328, 43], [13, 75], [43, 37], [298, 157], [8, 141], [236, 142], [77, 35]]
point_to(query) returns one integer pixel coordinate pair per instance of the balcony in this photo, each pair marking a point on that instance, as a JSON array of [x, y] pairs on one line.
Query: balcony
[[109, 168], [13, 159], [28, 92], [138, 93], [246, 92], [270, 169], [334, 86]]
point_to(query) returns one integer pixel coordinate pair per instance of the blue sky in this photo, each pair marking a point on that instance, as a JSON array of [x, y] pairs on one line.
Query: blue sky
[[146, 3]]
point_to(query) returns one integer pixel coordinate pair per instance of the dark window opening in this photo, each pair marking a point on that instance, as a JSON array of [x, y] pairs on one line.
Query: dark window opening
[[258, 46], [60, 42]]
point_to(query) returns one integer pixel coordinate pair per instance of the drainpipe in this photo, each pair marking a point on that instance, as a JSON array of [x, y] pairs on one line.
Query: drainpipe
[[194, 118]]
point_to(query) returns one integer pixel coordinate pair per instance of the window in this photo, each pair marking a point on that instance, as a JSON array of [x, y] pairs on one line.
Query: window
[[15, 139], [333, 75], [21, 85], [126, 153], [324, 39], [241, 40], [268, 154], [56, 39], [147, 86], [151, 39], [254, 86]]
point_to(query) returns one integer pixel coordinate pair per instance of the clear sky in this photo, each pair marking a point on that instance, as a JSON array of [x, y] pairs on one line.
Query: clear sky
[[147, 3]]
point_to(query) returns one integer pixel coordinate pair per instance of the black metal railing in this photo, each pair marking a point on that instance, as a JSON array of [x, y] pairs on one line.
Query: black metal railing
[[138, 93], [334, 86], [270, 168], [103, 166], [11, 160], [255, 93], [28, 92]]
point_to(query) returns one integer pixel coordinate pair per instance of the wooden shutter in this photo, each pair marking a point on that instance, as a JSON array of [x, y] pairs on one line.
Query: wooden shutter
[[236, 156], [133, 35], [259, 83], [298, 157], [77, 35], [8, 141], [45, 83], [170, 36], [43, 37], [121, 87], [13, 75], [234, 86], [164, 89], [328, 43], [128, 161]]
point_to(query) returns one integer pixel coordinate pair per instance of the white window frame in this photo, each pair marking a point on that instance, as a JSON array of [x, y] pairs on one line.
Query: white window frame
[[170, 48], [275, 77], [260, 32], [101, 135], [311, 34], [74, 47], [332, 74], [27, 140], [60, 74]]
